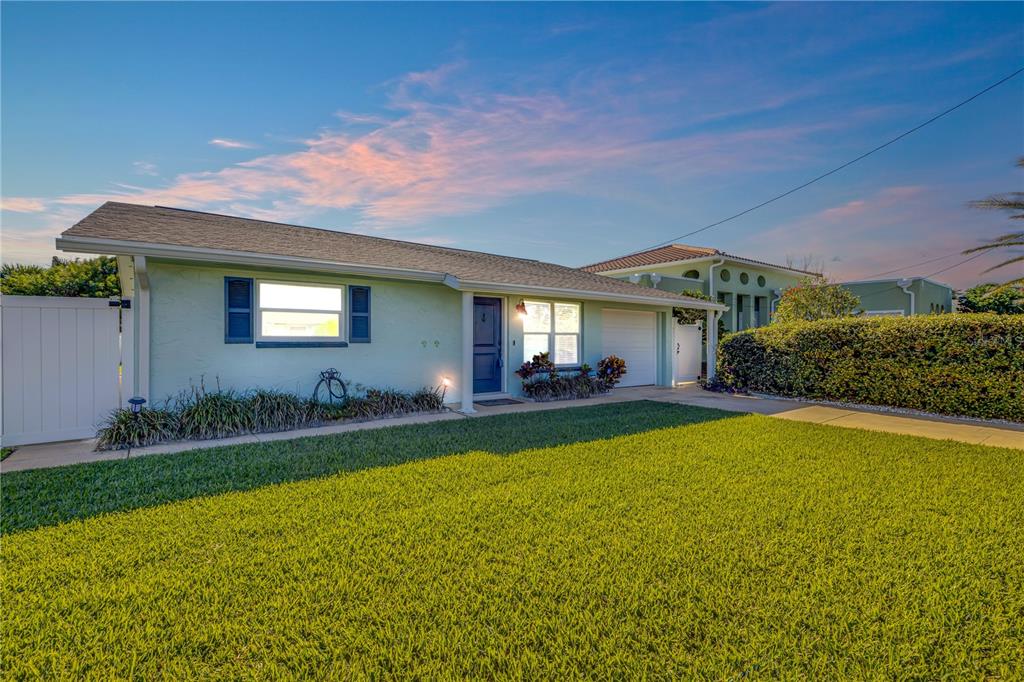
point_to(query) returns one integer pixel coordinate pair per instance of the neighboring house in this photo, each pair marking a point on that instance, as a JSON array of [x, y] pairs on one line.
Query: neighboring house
[[902, 296], [243, 303], [749, 288]]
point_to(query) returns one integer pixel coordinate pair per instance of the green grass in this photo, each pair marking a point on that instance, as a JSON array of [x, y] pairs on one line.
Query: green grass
[[704, 546], [5, 453]]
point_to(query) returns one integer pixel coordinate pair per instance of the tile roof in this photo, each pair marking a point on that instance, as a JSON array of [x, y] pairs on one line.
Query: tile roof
[[179, 227], [670, 254]]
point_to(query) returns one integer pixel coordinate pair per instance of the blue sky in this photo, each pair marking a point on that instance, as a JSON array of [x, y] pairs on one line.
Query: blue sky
[[564, 132]]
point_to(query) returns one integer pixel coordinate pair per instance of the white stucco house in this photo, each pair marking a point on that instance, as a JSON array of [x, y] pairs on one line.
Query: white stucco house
[[248, 303]]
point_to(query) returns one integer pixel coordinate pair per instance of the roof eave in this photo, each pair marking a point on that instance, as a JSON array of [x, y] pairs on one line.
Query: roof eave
[[73, 244], [700, 259], [528, 290]]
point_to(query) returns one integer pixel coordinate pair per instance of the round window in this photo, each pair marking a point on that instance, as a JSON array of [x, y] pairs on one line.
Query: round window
[[744, 277], [760, 280], [725, 275]]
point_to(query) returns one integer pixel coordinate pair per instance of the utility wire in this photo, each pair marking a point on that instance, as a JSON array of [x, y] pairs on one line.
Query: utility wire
[[924, 262], [839, 168], [930, 274]]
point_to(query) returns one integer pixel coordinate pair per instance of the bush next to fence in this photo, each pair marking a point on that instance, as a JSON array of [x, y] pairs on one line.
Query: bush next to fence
[[962, 364]]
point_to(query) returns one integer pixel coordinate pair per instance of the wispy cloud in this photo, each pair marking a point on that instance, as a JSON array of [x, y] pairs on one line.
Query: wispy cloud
[[455, 148], [226, 143], [145, 168], [22, 204]]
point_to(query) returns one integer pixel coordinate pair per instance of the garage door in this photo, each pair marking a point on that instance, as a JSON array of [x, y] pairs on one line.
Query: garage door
[[632, 336]]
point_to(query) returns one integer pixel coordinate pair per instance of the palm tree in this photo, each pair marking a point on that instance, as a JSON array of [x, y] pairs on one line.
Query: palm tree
[[1013, 202]]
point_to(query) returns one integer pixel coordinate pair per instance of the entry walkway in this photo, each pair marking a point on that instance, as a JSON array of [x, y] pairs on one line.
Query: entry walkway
[[942, 428]]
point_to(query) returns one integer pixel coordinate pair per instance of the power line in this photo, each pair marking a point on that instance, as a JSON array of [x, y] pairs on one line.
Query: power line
[[839, 168], [924, 262], [930, 274]]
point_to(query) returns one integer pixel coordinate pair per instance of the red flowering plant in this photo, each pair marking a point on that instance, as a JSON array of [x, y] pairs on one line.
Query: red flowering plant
[[610, 370], [540, 364]]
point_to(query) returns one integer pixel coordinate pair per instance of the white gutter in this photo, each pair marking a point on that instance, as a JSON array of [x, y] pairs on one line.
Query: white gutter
[[191, 253], [905, 285], [776, 297]]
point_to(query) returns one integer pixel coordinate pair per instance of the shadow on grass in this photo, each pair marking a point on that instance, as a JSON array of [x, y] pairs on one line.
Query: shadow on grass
[[44, 497]]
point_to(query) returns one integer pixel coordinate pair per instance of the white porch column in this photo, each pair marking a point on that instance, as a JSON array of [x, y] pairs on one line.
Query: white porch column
[[466, 381], [712, 342]]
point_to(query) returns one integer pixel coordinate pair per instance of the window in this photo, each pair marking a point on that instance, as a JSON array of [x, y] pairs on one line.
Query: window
[[552, 328], [725, 275], [760, 280], [298, 312], [691, 274], [744, 278]]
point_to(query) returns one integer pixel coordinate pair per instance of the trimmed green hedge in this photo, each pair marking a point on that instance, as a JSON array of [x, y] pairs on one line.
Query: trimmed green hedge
[[962, 364]]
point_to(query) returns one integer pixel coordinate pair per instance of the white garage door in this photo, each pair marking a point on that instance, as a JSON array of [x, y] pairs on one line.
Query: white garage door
[[632, 336]]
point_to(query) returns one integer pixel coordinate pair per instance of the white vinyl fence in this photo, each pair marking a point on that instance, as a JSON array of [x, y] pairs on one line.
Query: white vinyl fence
[[61, 366]]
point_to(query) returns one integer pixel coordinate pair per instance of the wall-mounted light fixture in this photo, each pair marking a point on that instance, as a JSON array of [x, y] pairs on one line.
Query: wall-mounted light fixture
[[521, 309]]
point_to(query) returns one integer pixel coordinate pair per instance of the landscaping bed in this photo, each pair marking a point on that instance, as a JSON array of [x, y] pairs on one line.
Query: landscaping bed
[[613, 541]]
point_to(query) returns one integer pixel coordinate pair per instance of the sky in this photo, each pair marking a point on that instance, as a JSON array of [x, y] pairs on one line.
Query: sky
[[563, 132]]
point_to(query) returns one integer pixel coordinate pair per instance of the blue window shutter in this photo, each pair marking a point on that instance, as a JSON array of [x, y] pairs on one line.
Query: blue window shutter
[[238, 312], [359, 314]]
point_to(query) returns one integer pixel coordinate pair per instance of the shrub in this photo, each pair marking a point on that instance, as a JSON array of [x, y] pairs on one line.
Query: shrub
[[199, 414], [92, 277], [815, 298], [126, 430], [542, 381], [610, 370], [963, 364]]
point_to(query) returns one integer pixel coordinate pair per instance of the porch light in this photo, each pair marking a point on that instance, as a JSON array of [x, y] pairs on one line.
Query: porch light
[[521, 309], [137, 402]]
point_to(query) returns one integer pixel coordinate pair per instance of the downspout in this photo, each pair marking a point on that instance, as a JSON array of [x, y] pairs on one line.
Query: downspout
[[711, 278], [142, 327], [905, 285], [776, 297], [711, 349]]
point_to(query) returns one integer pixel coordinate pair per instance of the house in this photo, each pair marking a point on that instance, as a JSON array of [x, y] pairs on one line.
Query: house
[[245, 303], [749, 288], [902, 296]]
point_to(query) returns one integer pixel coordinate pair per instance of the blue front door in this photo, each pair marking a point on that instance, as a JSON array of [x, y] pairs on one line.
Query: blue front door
[[486, 345]]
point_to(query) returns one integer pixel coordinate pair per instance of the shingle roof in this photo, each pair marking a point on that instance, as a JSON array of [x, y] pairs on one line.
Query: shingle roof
[[670, 254], [178, 227]]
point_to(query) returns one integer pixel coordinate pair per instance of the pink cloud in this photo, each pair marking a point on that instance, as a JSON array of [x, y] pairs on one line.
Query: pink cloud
[[22, 204]]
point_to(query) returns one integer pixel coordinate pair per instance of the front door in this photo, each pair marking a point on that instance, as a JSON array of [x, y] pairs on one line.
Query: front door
[[487, 362]]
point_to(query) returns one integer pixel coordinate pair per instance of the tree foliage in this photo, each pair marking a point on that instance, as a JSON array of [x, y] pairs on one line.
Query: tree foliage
[[993, 298], [1013, 202], [815, 299], [92, 278]]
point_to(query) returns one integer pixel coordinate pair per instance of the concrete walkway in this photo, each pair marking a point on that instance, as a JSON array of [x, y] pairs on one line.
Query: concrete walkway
[[942, 428]]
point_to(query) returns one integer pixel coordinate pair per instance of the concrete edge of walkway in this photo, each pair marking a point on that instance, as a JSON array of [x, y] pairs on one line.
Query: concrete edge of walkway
[[47, 455]]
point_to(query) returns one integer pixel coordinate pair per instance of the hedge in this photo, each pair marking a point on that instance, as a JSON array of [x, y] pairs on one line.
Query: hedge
[[961, 364]]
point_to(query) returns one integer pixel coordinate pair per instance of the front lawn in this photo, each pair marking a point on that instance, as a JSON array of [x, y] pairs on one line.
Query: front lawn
[[667, 542]]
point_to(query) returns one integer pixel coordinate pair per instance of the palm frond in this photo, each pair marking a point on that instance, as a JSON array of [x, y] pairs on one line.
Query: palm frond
[[1010, 201], [1001, 242], [1018, 259]]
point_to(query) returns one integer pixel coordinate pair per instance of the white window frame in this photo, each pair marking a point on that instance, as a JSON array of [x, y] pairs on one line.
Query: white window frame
[[552, 333], [342, 327]]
